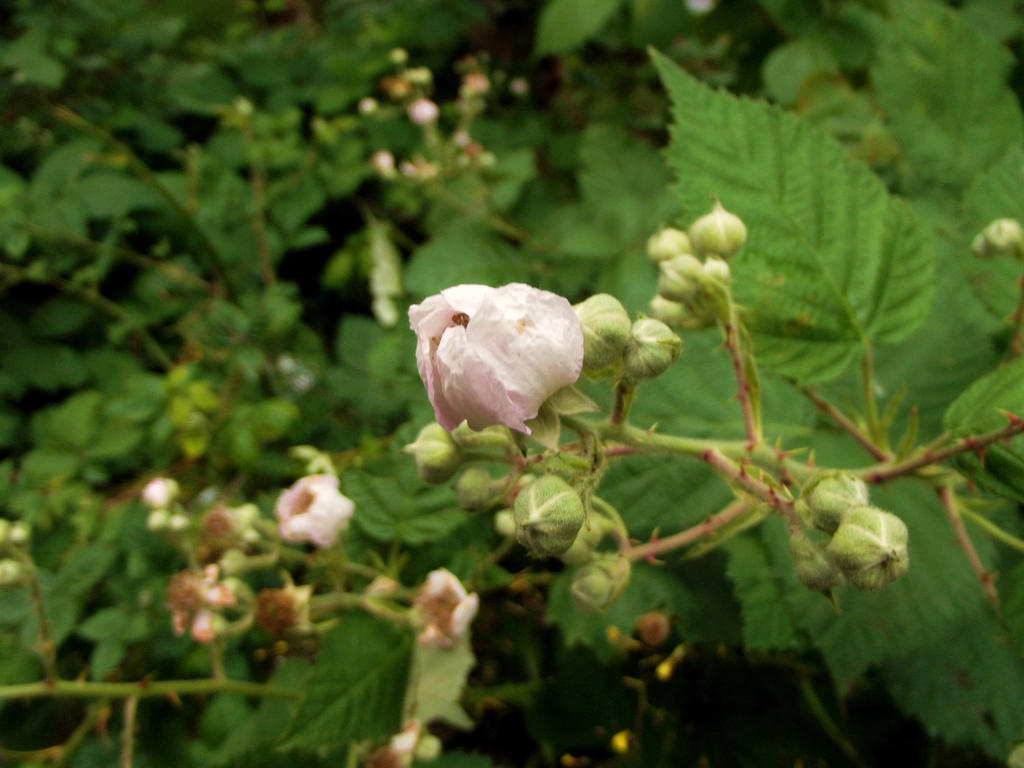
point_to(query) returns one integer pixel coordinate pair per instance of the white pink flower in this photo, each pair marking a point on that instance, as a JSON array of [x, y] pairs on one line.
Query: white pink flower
[[160, 492], [494, 355], [423, 112], [313, 510], [445, 608]]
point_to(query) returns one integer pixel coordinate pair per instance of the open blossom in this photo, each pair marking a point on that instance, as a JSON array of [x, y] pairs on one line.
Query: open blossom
[[494, 355], [313, 510], [423, 112], [445, 607]]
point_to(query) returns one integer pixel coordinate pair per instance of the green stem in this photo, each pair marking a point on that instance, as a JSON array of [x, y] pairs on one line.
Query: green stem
[[730, 330], [81, 689], [847, 424], [624, 393], [949, 503], [992, 529]]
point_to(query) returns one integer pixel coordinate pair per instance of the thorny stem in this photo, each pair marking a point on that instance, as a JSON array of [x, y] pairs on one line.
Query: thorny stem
[[880, 474], [706, 527], [131, 704], [949, 502], [738, 475], [624, 392], [992, 529], [732, 343], [845, 423], [143, 689]]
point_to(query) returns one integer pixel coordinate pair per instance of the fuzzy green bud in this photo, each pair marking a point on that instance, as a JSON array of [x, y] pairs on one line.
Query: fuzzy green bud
[[505, 523], [651, 350], [548, 515], [437, 456], [158, 520], [667, 244], [585, 545], [1003, 237], [813, 567], [475, 489], [19, 534], [719, 232], [680, 278], [598, 584], [12, 573], [829, 496], [488, 439], [870, 548], [717, 270], [606, 329]]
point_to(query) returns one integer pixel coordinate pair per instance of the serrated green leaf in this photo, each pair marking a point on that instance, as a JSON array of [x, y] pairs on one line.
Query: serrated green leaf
[[466, 252], [979, 409], [942, 84], [832, 262], [767, 621], [566, 24], [401, 508], [998, 193], [359, 685]]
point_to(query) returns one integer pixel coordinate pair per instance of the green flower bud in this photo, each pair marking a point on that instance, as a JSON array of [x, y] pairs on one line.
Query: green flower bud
[[651, 349], [475, 489], [234, 562], [436, 455], [178, 523], [829, 496], [1016, 758], [548, 515], [606, 329], [1003, 237], [158, 520], [487, 439], [813, 567], [428, 748], [667, 244], [870, 548], [680, 278], [19, 534], [599, 583], [12, 573], [583, 548], [718, 232], [716, 269], [505, 523]]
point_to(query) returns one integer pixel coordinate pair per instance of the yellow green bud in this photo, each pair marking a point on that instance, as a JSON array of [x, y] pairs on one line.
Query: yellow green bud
[[716, 269], [719, 232], [475, 489], [667, 244], [1003, 237], [12, 573], [548, 515], [437, 456], [651, 350], [585, 545], [813, 567], [598, 584], [829, 496], [870, 548], [680, 278], [606, 328], [505, 523]]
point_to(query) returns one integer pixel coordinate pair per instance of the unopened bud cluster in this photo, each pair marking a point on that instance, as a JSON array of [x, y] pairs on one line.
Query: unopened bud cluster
[[694, 273], [614, 347], [1003, 237], [848, 538], [15, 564]]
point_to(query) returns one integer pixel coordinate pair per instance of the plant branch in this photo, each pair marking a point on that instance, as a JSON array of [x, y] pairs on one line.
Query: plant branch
[[624, 393], [706, 527], [46, 646], [143, 689], [738, 476], [964, 541], [928, 457], [131, 704], [992, 529], [733, 344], [845, 423]]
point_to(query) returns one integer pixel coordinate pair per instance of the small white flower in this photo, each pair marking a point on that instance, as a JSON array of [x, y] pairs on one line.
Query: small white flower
[[701, 7], [367, 105], [494, 355], [160, 492], [313, 510], [445, 607], [423, 112], [519, 86], [383, 162]]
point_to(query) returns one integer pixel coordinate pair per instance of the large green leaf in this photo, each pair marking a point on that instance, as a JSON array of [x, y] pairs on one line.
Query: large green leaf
[[979, 409], [566, 24], [767, 621], [942, 84], [832, 263], [357, 689]]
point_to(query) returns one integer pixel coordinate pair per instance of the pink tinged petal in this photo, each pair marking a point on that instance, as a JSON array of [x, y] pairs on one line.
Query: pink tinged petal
[[432, 635], [202, 627], [464, 614]]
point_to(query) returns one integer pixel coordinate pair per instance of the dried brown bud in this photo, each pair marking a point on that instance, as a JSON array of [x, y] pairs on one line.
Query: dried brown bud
[[653, 628]]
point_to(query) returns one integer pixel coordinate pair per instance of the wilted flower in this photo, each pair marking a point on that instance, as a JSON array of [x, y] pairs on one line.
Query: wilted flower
[[445, 607], [494, 355], [281, 610], [192, 599], [313, 510], [423, 112], [160, 492], [400, 751]]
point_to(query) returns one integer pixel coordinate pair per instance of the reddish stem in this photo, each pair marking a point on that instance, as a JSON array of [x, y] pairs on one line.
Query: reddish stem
[[964, 542], [732, 343], [845, 423], [707, 526]]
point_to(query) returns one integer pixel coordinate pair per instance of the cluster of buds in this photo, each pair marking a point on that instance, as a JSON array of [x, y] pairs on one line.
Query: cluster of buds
[[166, 515], [227, 528], [599, 583], [15, 564], [444, 609], [196, 602], [1003, 237], [694, 272], [548, 515], [615, 347], [848, 539]]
